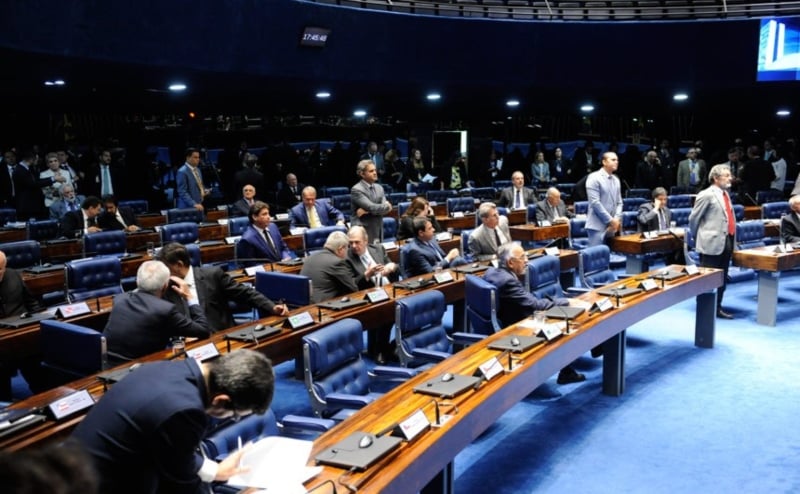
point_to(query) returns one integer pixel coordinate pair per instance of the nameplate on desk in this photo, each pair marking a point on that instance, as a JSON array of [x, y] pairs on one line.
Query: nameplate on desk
[[783, 248], [490, 369], [232, 240], [299, 320], [68, 405], [552, 251], [648, 285], [298, 230], [72, 310], [544, 223], [412, 426], [602, 305], [650, 234], [550, 332], [389, 245], [222, 207], [282, 216], [691, 269], [203, 353], [222, 221], [297, 261], [252, 270], [157, 228], [443, 277], [444, 236], [376, 296], [457, 214]]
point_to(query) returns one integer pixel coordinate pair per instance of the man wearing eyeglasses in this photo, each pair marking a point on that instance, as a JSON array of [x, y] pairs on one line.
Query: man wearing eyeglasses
[[144, 434]]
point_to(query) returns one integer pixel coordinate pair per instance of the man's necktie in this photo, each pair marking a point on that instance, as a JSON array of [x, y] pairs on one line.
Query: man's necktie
[[497, 238], [729, 214], [518, 201], [270, 242], [198, 179], [662, 221], [313, 218], [105, 180], [436, 250], [372, 192]]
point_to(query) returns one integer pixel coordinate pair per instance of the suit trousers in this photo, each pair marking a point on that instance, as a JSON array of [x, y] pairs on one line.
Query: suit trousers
[[720, 261]]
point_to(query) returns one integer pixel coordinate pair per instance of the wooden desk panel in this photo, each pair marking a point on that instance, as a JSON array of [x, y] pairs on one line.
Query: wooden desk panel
[[462, 223], [12, 235], [151, 220], [769, 265], [533, 233]]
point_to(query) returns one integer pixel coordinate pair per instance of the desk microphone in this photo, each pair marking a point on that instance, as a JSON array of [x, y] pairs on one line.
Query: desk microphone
[[561, 309], [664, 277], [616, 296], [755, 203], [319, 313], [253, 334], [388, 429]]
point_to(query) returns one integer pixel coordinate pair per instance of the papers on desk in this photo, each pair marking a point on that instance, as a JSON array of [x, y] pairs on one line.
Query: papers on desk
[[277, 464], [428, 178]]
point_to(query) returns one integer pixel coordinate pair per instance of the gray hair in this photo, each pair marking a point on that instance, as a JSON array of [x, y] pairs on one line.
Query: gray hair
[[358, 231], [309, 189], [659, 191], [362, 165], [336, 240], [504, 252], [552, 191], [64, 187], [485, 209], [152, 277], [717, 171], [794, 199]]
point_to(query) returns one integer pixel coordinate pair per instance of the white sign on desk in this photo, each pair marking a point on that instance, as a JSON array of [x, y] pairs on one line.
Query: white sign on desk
[[252, 270]]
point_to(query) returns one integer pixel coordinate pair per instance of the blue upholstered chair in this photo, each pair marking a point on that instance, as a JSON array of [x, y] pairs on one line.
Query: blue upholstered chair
[[681, 189], [440, 195], [502, 211], [630, 223], [543, 277], [681, 216], [530, 214], [183, 233], [7, 215], [594, 267], [689, 253], [93, 277], [645, 194], [402, 207], [578, 237], [138, 206], [335, 191], [581, 207], [484, 193], [111, 242], [314, 238], [389, 229], [632, 203], [181, 215], [680, 201], [237, 226], [738, 212], [771, 195], [420, 334], [44, 230], [501, 184], [460, 205], [396, 198], [294, 289], [750, 234], [343, 204], [69, 351], [22, 254], [774, 210], [481, 302]]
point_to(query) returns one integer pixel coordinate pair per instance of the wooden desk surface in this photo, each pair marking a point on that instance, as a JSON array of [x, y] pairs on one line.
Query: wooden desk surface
[[635, 244], [531, 232], [766, 259]]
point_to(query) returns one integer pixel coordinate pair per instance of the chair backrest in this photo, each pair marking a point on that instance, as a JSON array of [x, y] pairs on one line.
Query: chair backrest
[[632, 203], [481, 302], [543, 277], [681, 216], [335, 191], [396, 198], [439, 195], [418, 324], [530, 214], [93, 277], [593, 266], [195, 259], [7, 215], [465, 241], [387, 189], [460, 205], [183, 233], [181, 215], [681, 189], [332, 362], [750, 234], [237, 226], [771, 195], [104, 243], [70, 351], [689, 252], [402, 207], [679, 201], [630, 222], [314, 238], [225, 440], [578, 237], [484, 193], [138, 206], [342, 203], [42, 230], [389, 229], [22, 254], [774, 210], [738, 212], [294, 289], [403, 259], [501, 184], [581, 207], [643, 193]]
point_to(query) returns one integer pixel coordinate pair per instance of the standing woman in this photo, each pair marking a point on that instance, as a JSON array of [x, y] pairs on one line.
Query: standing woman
[[540, 170]]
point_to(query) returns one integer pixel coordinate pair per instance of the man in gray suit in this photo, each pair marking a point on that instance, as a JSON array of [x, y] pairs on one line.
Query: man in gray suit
[[330, 273], [692, 171], [368, 201], [552, 208], [493, 232], [605, 201], [714, 226]]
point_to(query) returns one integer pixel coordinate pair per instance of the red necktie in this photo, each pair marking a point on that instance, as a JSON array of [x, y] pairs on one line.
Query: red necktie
[[729, 214]]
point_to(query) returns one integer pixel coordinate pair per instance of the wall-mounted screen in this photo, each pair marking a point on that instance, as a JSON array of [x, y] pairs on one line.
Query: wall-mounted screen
[[314, 36], [779, 50]]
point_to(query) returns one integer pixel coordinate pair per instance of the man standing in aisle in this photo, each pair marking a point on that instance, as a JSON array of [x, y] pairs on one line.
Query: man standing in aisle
[[368, 201], [191, 190], [605, 201]]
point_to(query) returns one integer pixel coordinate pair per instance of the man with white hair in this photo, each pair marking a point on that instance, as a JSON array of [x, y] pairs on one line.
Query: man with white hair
[[790, 223], [331, 275]]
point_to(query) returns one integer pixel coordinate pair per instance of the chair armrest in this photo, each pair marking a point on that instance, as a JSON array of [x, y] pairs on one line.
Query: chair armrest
[[392, 372], [625, 276], [345, 400], [433, 355], [295, 424], [461, 337], [576, 290]]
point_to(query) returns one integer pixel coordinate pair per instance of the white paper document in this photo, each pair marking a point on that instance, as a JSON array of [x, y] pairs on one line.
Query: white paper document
[[277, 464]]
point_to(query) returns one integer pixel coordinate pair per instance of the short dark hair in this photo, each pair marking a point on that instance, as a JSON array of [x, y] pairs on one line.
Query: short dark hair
[[255, 210], [110, 198], [246, 376], [174, 252], [190, 151], [91, 202], [420, 225], [659, 191]]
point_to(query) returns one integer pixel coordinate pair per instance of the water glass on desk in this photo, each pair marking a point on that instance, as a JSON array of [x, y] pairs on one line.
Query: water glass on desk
[[178, 345], [539, 317]]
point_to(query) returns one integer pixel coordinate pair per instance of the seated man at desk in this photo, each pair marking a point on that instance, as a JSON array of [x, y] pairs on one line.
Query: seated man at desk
[[312, 213], [493, 232], [68, 201], [331, 275], [213, 288], [144, 434], [790, 223], [115, 217], [656, 216], [242, 206], [142, 321], [78, 223], [423, 254], [515, 302], [552, 208], [261, 242], [517, 196]]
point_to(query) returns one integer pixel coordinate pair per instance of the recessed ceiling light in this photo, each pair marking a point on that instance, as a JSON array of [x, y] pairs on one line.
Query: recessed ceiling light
[[323, 95], [433, 97], [587, 108], [680, 97], [512, 103], [55, 82], [359, 113], [783, 113], [178, 86]]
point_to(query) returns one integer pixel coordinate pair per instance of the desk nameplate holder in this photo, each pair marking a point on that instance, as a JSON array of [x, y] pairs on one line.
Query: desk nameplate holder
[[299, 320], [550, 332], [552, 251], [602, 305], [70, 404], [375, 296], [784, 248], [72, 310], [412, 427], [203, 353], [691, 269], [490, 369], [443, 277], [252, 270], [648, 284]]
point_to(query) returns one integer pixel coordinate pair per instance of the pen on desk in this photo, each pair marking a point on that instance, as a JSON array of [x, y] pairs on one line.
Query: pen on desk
[[239, 442]]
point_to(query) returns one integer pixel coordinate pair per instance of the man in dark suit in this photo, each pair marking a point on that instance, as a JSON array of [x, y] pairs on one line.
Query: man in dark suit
[[144, 435], [289, 195], [78, 223], [423, 254], [115, 217], [648, 171], [372, 268], [249, 174], [142, 322], [331, 275], [368, 201], [493, 232], [103, 178], [790, 223], [515, 302], [517, 196], [261, 242], [243, 205], [314, 214], [7, 196], [189, 182], [213, 289], [655, 216], [28, 188], [552, 208]]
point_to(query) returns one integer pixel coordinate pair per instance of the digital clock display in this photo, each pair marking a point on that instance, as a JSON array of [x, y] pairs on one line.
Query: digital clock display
[[314, 36]]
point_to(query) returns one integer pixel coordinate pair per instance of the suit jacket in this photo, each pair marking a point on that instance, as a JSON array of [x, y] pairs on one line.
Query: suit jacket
[[72, 223], [605, 199], [328, 215], [422, 258], [378, 254], [648, 217], [708, 221], [286, 199], [215, 288], [331, 276], [790, 228], [241, 208], [405, 229], [110, 222], [141, 323], [92, 184], [684, 174], [29, 195], [143, 436], [482, 242], [377, 208], [515, 302], [15, 297], [7, 199], [543, 211], [507, 197], [253, 247], [59, 207], [189, 192]]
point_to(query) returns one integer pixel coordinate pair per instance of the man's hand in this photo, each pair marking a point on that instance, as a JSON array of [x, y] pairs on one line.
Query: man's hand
[[361, 212], [231, 465], [613, 225], [389, 269], [452, 254], [132, 228], [280, 310], [199, 207], [94, 229], [181, 287]]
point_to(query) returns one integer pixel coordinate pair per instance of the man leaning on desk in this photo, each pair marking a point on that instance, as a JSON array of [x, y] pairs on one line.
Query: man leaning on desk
[[213, 288], [78, 223], [331, 275]]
